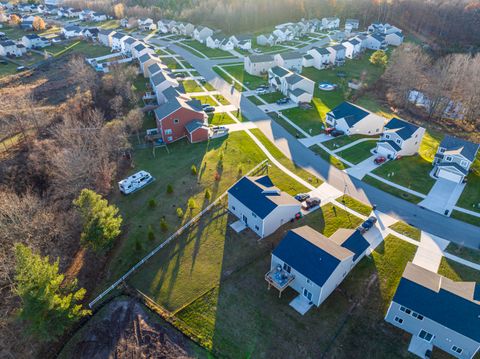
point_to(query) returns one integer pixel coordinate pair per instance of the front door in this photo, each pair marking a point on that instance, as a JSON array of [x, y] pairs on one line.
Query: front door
[[245, 220], [307, 294]]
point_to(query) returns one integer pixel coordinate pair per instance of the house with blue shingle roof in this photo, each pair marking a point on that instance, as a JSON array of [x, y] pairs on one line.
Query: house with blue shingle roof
[[314, 265], [353, 119], [437, 312], [260, 205], [399, 138]]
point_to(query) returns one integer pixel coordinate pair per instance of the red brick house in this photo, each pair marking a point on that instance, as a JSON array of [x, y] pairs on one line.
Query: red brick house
[[181, 117]]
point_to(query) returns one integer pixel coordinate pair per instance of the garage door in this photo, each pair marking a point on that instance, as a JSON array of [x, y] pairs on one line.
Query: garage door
[[449, 176], [385, 151]]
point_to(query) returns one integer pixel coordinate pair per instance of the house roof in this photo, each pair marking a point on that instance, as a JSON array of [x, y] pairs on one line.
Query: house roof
[[378, 37], [431, 294], [314, 255], [194, 125], [7, 43], [105, 32], [454, 165], [402, 128], [261, 58], [308, 57], [354, 41], [351, 239], [175, 102], [72, 28], [140, 47], [260, 195], [145, 57], [293, 78], [338, 47], [297, 92], [321, 50], [292, 55], [32, 36], [154, 68], [454, 145], [279, 71], [351, 113], [118, 35], [130, 40], [392, 144]]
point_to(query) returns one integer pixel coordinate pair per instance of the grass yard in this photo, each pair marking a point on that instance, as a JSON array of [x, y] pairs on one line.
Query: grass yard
[[275, 152], [372, 105], [359, 152], [458, 272], [465, 217], [87, 49], [392, 190], [406, 230], [272, 97], [250, 81], [221, 99], [218, 119], [355, 204], [14, 32], [287, 126], [7, 69], [192, 86], [470, 198], [171, 63], [207, 100], [411, 172], [329, 158], [208, 52], [254, 99], [473, 255], [343, 141], [308, 119], [223, 75]]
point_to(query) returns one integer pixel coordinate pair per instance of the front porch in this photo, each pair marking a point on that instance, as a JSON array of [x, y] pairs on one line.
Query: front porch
[[301, 304]]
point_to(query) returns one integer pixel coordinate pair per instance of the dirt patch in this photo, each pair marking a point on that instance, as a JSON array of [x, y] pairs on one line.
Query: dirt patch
[[125, 329]]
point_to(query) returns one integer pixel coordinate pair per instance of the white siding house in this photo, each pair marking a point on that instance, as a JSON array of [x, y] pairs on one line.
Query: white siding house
[[353, 119], [399, 138], [394, 38], [258, 64], [260, 205], [201, 33], [321, 57], [296, 87], [290, 60]]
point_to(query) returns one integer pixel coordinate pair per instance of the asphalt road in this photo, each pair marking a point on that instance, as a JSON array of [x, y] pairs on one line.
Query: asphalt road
[[437, 224]]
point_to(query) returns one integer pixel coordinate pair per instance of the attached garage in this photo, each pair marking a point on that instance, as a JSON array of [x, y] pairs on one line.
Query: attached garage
[[451, 176], [386, 151]]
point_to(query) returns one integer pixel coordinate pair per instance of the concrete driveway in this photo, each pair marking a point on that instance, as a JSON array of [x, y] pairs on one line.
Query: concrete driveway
[[443, 196], [360, 170]]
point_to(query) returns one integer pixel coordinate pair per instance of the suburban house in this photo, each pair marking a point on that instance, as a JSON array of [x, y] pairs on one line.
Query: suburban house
[[146, 60], [265, 40], [384, 29], [98, 16], [289, 60], [183, 28], [283, 34], [308, 60], [243, 42], [314, 265], [437, 311], [71, 31], [85, 15], [155, 67], [394, 38], [363, 41], [181, 117], [201, 33], [352, 48], [351, 24], [27, 22], [353, 119], [453, 158], [146, 24], [399, 138], [376, 41], [34, 41], [330, 23], [160, 82], [219, 41], [258, 64], [260, 205], [127, 44], [9, 48], [321, 57], [105, 37], [90, 33], [296, 87], [337, 54], [117, 38], [141, 48]]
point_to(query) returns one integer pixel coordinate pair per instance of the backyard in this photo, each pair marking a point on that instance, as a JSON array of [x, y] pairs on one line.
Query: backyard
[[87, 49], [218, 119], [239, 73], [206, 51]]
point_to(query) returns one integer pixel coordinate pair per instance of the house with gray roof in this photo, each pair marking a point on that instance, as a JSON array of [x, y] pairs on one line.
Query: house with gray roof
[[219, 41], [337, 54], [261, 206], [314, 265], [105, 37], [146, 60], [376, 41], [243, 42], [266, 40], [438, 312], [353, 119], [291, 60], [321, 57], [352, 48], [351, 24], [394, 38], [399, 138], [201, 33], [160, 82], [258, 64], [330, 23], [294, 86], [454, 158]]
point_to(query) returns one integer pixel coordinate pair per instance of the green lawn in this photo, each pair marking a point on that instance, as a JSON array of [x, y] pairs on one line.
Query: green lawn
[[329, 158], [458, 272], [467, 253], [171, 63], [218, 119], [406, 230], [286, 125], [470, 198], [359, 152], [411, 172], [392, 190], [206, 100], [250, 81], [255, 100], [343, 141], [208, 52], [227, 78], [466, 217], [7, 69], [192, 86], [90, 50], [272, 97], [14, 32], [275, 152], [221, 99], [308, 119], [355, 204]]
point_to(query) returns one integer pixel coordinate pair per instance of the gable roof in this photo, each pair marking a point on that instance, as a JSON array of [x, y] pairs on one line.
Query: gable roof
[[350, 112], [130, 40], [351, 239], [292, 55], [293, 78], [118, 35], [260, 195], [454, 145], [321, 50], [402, 128], [354, 42], [261, 58], [338, 47], [194, 125], [154, 68], [378, 37], [175, 102], [430, 294], [146, 57], [279, 71], [311, 253]]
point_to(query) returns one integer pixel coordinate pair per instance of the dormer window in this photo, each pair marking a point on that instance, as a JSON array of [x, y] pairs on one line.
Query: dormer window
[[448, 158], [442, 150], [398, 141]]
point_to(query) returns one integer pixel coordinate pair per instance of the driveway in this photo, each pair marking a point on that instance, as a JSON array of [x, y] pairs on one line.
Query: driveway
[[274, 107], [443, 196], [360, 170], [310, 141], [430, 251]]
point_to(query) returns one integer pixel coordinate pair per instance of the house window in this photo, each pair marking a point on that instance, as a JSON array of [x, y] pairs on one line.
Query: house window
[[254, 215], [168, 131], [442, 150], [387, 136], [257, 228], [402, 309], [398, 320], [287, 268], [308, 281], [448, 158], [408, 311], [398, 141], [425, 335], [463, 163], [169, 138], [233, 207], [176, 121], [457, 349]]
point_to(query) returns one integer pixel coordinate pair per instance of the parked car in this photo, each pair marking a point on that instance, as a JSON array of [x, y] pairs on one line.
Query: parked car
[[336, 133], [56, 40], [179, 75], [311, 202], [379, 160], [369, 223], [302, 197], [260, 91], [209, 109], [283, 101], [21, 68]]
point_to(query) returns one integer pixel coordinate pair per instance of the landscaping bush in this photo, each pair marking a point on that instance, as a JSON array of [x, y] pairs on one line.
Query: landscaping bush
[[179, 212], [208, 194], [194, 170], [150, 234], [191, 203], [169, 189], [163, 225], [152, 203]]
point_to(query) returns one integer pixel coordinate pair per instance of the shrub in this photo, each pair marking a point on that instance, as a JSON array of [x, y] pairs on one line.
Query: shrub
[[179, 212], [152, 203], [163, 225], [191, 203], [194, 170], [169, 189], [150, 233], [379, 58], [208, 194]]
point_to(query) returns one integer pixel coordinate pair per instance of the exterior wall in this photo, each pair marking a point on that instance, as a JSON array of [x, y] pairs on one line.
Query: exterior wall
[[336, 278], [349, 50], [211, 43], [257, 68], [240, 210], [370, 125], [199, 135], [412, 145], [10, 50], [320, 61], [278, 217], [145, 66], [456, 159], [104, 40], [393, 40], [294, 64], [172, 131], [444, 338]]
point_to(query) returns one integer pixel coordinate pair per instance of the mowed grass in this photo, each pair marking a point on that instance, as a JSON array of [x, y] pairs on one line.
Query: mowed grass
[[219, 163], [280, 157], [218, 119], [411, 172], [359, 152], [465, 217], [255, 100], [329, 158], [309, 120], [220, 71], [192, 86], [355, 204], [467, 253], [406, 230], [210, 100], [87, 49], [343, 141], [286, 125], [272, 97], [7, 69], [208, 52], [392, 190], [239, 73], [470, 198], [458, 272]]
